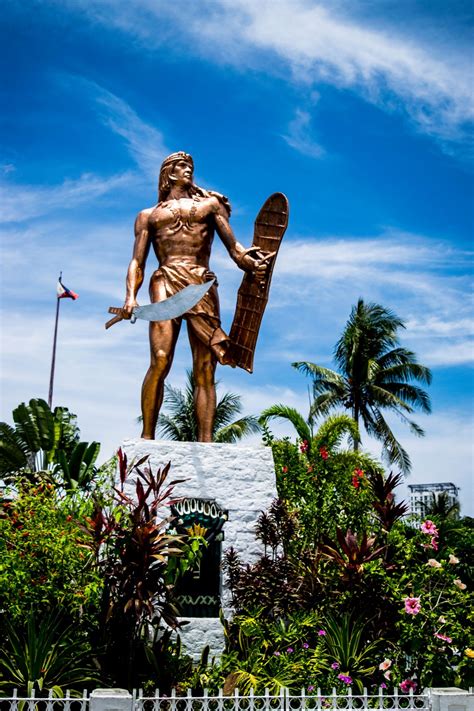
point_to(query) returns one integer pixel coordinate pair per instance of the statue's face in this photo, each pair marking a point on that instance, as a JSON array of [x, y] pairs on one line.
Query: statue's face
[[182, 173]]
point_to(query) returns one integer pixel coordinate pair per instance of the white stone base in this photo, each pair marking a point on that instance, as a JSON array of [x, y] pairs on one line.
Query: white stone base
[[241, 479]]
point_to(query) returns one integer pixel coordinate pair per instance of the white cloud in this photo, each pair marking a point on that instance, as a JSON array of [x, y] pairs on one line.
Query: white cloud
[[446, 354], [321, 279], [446, 454], [310, 43], [145, 143], [22, 202], [299, 135]]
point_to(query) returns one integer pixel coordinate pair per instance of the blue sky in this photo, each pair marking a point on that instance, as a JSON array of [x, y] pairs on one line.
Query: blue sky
[[361, 112]]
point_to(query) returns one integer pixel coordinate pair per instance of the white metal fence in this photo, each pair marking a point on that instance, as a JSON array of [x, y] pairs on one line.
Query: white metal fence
[[312, 700], [307, 700], [17, 702]]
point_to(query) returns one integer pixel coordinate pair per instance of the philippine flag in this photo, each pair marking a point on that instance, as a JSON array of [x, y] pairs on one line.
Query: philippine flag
[[63, 292]]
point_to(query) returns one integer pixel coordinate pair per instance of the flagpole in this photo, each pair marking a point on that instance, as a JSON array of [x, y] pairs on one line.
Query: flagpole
[[53, 358]]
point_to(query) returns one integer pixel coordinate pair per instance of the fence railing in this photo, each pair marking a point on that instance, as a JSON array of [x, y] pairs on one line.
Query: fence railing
[[49, 702], [309, 700]]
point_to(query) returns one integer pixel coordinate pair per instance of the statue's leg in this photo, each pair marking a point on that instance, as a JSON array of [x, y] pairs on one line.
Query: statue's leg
[[204, 368], [163, 337]]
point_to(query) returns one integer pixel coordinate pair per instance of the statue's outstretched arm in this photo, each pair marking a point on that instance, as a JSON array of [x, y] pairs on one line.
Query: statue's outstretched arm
[[258, 263]]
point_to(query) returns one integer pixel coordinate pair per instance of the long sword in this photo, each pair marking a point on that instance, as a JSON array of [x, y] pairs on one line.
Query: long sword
[[172, 307]]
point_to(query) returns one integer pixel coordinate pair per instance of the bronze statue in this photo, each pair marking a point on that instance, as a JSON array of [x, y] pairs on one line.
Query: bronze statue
[[181, 229]]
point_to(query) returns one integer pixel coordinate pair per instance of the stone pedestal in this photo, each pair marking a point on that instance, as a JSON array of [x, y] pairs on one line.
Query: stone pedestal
[[450, 699], [110, 700], [240, 479]]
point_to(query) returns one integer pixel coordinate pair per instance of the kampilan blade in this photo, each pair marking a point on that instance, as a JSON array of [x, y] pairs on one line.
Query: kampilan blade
[[174, 306]]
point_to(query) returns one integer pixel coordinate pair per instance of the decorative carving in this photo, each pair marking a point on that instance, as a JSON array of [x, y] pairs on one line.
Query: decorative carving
[[198, 591]]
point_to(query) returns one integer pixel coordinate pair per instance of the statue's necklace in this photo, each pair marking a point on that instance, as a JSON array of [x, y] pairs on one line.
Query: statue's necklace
[[178, 223]]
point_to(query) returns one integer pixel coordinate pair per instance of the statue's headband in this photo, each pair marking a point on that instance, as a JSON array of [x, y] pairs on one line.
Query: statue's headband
[[175, 157]]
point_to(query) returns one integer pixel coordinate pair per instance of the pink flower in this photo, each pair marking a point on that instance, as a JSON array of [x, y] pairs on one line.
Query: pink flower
[[335, 665], [387, 675], [434, 543], [434, 563], [276, 654], [406, 685], [383, 685], [460, 584], [429, 528], [412, 605], [386, 664], [452, 559], [443, 637], [345, 678], [305, 645], [310, 687], [304, 446], [290, 650], [321, 633]]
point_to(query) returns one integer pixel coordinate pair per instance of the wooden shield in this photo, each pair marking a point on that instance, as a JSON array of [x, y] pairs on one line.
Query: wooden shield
[[270, 226]]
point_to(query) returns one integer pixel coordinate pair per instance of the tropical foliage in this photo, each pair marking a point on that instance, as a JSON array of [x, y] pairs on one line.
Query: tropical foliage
[[347, 592], [42, 440], [86, 572], [132, 549], [44, 563], [46, 655], [375, 373]]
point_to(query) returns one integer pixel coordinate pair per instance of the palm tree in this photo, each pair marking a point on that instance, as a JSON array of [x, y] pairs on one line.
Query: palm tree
[[181, 425], [331, 431], [375, 374], [442, 506]]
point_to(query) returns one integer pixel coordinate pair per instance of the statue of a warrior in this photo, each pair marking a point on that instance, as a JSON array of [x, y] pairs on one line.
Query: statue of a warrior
[[181, 228]]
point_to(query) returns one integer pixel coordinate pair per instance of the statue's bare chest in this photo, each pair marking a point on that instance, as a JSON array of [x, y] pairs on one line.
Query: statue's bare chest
[[174, 216]]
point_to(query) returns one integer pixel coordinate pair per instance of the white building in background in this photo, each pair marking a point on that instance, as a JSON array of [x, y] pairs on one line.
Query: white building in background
[[422, 494]]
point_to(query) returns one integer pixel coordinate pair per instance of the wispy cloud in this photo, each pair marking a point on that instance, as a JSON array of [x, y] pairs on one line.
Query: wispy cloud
[[320, 279], [22, 202], [145, 143], [310, 43], [299, 135]]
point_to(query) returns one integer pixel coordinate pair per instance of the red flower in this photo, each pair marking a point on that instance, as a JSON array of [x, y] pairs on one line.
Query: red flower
[[323, 452], [304, 446], [284, 470], [355, 482]]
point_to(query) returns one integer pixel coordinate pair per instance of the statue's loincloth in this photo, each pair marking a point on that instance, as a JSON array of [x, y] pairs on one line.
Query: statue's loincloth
[[204, 318]]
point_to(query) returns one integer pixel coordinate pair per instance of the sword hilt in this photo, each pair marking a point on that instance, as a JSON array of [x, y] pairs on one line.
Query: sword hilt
[[118, 311]]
